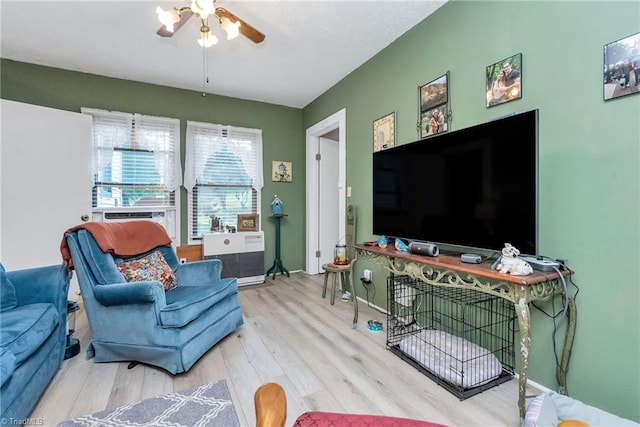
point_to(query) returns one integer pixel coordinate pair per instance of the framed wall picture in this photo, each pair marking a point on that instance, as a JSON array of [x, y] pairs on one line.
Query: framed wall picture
[[622, 67], [504, 80], [248, 222], [384, 132], [281, 171], [434, 114]]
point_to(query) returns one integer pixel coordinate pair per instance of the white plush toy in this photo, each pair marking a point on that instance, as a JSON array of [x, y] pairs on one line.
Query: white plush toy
[[511, 264]]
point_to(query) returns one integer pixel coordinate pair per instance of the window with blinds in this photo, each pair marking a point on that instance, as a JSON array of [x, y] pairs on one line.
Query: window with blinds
[[135, 161], [223, 174]]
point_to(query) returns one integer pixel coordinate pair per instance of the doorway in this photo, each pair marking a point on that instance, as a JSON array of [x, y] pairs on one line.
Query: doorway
[[326, 191]]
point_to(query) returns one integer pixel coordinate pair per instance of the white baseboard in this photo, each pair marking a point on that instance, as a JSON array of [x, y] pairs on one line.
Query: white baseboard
[[373, 305], [533, 384]]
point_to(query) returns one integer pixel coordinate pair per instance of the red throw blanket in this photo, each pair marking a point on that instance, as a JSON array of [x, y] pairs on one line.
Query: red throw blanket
[[122, 239]]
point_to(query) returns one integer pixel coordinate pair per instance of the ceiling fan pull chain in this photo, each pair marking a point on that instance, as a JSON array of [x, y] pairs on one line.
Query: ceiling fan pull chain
[[205, 77]]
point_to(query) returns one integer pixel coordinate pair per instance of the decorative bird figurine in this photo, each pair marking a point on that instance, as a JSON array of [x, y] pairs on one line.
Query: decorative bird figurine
[[401, 246]]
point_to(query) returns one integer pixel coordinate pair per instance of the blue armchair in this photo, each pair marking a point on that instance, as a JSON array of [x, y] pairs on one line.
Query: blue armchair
[[140, 321], [33, 321]]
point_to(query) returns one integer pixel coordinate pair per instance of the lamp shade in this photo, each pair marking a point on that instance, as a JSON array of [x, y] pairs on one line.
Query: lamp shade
[[168, 17], [232, 28], [207, 38], [203, 8]]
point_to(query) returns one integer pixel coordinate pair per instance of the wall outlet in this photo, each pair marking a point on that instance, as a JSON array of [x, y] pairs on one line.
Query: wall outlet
[[367, 275], [183, 260]]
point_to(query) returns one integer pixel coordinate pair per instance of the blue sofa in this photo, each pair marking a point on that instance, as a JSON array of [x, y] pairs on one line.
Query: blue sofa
[[141, 321], [33, 321]]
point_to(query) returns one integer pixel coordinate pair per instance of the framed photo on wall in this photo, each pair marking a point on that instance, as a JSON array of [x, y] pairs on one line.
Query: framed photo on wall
[[504, 80], [248, 222], [384, 132], [281, 171], [622, 67], [433, 107]]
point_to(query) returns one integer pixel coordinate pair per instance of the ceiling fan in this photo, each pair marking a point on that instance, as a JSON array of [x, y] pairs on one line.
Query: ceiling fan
[[174, 18]]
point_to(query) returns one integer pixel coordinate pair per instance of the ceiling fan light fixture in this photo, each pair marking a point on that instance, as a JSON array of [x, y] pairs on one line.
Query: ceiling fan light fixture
[[168, 17], [207, 38], [173, 20], [204, 8], [231, 28]]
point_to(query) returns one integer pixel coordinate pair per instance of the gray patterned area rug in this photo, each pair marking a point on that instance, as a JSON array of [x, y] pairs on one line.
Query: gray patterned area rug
[[206, 405]]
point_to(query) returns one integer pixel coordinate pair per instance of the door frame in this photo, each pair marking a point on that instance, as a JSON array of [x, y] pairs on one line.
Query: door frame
[[338, 121]]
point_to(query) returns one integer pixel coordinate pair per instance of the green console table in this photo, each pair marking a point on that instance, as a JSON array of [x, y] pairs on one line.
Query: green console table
[[277, 263]]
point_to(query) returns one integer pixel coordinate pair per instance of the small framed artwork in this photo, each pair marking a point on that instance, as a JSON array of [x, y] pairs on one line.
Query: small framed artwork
[[248, 222], [281, 171], [433, 107], [622, 67], [384, 132], [504, 80]]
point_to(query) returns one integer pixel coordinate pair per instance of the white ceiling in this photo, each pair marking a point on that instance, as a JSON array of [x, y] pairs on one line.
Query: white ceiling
[[310, 45]]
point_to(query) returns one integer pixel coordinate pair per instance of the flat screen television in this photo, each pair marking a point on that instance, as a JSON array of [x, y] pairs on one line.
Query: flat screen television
[[471, 188]]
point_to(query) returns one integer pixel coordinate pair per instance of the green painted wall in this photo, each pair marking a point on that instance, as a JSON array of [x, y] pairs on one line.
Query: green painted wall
[[283, 135], [589, 197], [589, 153]]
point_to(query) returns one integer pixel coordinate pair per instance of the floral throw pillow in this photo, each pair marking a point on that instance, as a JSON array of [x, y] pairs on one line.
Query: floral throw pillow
[[150, 267]]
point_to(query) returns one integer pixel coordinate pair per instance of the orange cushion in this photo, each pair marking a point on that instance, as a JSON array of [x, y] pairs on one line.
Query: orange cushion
[[572, 423]]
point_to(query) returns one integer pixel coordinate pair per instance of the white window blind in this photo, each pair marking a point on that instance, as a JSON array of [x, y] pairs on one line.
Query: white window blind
[[223, 174], [136, 159]]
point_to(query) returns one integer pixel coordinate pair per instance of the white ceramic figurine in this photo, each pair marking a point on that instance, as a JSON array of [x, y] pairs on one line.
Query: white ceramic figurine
[[511, 264]]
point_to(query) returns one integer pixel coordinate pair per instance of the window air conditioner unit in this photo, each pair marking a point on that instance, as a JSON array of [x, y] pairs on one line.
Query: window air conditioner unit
[[242, 255], [165, 217]]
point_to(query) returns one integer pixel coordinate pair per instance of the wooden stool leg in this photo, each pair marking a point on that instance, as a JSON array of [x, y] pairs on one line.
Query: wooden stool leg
[[334, 277], [324, 285]]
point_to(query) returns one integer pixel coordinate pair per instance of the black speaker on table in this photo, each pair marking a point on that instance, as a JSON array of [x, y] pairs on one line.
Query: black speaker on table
[[424, 248]]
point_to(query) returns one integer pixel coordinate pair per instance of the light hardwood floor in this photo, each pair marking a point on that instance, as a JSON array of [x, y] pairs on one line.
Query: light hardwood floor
[[294, 337]]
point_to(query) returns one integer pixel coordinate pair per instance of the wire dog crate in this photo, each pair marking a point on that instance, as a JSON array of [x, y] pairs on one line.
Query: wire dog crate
[[461, 338]]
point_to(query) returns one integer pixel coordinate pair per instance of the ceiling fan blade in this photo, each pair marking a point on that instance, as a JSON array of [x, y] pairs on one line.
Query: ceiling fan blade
[[245, 29], [185, 14]]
